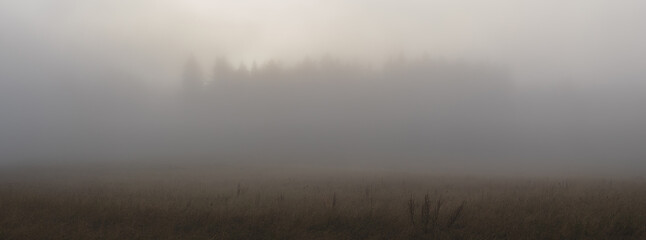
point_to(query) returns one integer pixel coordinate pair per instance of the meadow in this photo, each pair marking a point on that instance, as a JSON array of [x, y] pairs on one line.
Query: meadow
[[211, 201]]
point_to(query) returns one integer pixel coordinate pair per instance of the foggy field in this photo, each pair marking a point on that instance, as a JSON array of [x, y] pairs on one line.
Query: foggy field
[[322, 119], [232, 202]]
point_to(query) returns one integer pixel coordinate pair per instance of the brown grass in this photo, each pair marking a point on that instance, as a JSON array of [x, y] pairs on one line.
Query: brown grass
[[253, 203]]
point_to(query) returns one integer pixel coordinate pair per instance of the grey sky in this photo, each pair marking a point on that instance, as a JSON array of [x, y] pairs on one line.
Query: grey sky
[[569, 38]]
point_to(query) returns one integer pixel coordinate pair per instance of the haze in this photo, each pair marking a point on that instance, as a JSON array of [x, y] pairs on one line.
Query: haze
[[509, 87]]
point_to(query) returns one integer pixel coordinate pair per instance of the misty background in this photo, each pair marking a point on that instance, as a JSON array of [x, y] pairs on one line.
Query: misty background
[[465, 86]]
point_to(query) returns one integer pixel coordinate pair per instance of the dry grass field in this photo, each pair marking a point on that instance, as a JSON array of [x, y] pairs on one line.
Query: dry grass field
[[224, 202]]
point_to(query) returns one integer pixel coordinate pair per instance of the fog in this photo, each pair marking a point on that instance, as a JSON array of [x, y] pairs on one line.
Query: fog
[[504, 87]]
